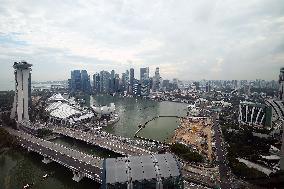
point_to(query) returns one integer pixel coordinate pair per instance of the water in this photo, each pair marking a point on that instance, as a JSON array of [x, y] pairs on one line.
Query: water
[[18, 168], [135, 111]]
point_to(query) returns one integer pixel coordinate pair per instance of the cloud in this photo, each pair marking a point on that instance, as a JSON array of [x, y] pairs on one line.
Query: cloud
[[185, 38], [217, 68]]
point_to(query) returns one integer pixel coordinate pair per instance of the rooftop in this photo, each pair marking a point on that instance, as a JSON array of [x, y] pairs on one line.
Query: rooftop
[[138, 168], [22, 65]]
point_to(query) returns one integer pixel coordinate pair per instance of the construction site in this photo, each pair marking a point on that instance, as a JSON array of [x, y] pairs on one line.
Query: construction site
[[196, 133]]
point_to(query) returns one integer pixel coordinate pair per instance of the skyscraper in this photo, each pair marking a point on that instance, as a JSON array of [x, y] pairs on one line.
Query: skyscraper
[[281, 84], [80, 81], [131, 80], [123, 82], [97, 83], [105, 77], [144, 74], [127, 80], [22, 91], [156, 80], [75, 81], [85, 82], [116, 83], [144, 81], [112, 74]]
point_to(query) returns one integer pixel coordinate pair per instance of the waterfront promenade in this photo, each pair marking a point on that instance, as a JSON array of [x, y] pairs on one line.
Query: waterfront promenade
[[82, 165]]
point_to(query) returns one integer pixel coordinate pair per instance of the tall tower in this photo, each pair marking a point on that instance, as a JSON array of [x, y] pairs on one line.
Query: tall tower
[[22, 91], [131, 80], [281, 84], [144, 81], [156, 80]]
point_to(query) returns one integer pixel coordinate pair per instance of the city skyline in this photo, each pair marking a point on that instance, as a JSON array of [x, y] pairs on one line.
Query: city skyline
[[186, 40]]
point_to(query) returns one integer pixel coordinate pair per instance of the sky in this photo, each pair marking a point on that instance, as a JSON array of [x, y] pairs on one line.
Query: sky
[[186, 39]]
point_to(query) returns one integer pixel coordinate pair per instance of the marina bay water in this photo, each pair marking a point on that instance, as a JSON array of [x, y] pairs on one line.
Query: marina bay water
[[136, 111], [18, 168]]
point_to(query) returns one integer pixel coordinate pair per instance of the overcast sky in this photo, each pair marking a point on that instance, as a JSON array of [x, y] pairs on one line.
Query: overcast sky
[[190, 39]]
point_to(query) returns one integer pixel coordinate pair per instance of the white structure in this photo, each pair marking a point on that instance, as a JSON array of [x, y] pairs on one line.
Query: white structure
[[22, 91], [66, 111], [255, 114], [56, 98], [104, 110], [221, 103], [61, 110]]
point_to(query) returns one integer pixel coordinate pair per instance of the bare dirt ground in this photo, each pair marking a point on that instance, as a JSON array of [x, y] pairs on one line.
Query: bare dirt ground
[[197, 133]]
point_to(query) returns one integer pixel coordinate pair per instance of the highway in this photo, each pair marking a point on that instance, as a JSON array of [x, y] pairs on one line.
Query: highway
[[77, 161], [107, 142], [197, 178], [221, 157]]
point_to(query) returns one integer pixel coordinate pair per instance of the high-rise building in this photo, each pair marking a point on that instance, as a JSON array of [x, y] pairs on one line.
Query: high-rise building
[[127, 80], [281, 84], [144, 74], [136, 88], [96, 83], [85, 79], [175, 83], [123, 82], [112, 81], [166, 84], [80, 81], [116, 83], [105, 77], [22, 91], [131, 80], [76, 81], [207, 87], [156, 80], [112, 74], [144, 81]]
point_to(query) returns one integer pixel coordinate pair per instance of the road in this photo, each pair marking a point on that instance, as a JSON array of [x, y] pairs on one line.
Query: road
[[107, 142], [197, 178], [75, 160], [221, 157]]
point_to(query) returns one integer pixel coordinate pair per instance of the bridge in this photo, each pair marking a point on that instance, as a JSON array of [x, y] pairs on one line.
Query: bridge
[[110, 142], [82, 165]]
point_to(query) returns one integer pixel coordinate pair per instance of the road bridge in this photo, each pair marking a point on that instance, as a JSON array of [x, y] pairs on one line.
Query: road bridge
[[82, 165], [107, 142]]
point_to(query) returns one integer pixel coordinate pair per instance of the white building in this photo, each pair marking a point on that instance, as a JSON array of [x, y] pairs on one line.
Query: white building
[[66, 111], [22, 91]]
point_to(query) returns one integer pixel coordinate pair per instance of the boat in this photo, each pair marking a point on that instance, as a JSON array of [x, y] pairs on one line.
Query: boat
[[45, 176], [26, 186]]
